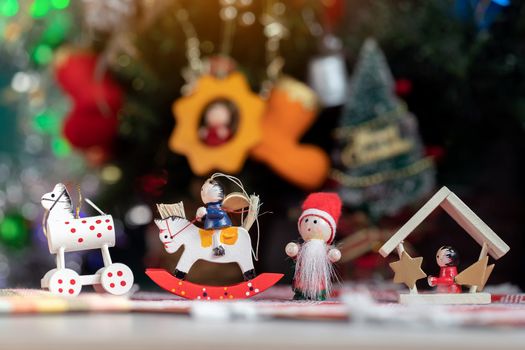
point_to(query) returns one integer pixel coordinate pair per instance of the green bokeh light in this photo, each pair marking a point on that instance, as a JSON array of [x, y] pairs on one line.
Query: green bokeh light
[[47, 122], [43, 54], [40, 8], [14, 231], [60, 147], [57, 29], [9, 8], [60, 4]]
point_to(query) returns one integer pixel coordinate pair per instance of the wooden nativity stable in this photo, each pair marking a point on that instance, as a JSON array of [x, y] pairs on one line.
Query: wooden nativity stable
[[408, 270]]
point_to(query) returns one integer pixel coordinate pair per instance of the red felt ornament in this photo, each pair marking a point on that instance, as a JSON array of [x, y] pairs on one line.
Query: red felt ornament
[[436, 152], [369, 262], [153, 184], [403, 87], [334, 12], [97, 98]]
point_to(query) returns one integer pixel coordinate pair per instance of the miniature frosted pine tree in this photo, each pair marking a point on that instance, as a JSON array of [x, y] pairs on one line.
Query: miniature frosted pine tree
[[380, 165]]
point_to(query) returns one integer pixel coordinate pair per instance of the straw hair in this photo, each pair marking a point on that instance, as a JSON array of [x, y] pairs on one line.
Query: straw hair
[[170, 210]]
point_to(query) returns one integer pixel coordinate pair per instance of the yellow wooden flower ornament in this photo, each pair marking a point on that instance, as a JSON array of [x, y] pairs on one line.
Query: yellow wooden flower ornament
[[217, 124]]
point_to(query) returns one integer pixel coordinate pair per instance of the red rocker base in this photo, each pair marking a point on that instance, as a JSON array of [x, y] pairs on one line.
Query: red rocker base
[[190, 290]]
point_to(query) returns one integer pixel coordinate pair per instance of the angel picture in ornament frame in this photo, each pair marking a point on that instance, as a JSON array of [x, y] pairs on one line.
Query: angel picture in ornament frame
[[218, 118], [217, 242], [269, 128], [228, 147], [219, 122]]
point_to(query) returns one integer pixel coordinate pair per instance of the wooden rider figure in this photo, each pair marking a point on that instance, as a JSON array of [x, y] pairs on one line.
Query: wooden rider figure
[[214, 216]]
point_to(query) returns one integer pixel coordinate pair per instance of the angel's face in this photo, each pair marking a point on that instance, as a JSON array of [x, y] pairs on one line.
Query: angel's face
[[218, 115]]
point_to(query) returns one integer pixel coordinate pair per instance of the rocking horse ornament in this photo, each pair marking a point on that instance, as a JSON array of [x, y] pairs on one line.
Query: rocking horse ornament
[[217, 242]]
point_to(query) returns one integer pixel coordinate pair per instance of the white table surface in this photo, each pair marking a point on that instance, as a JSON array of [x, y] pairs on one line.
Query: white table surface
[[174, 332]]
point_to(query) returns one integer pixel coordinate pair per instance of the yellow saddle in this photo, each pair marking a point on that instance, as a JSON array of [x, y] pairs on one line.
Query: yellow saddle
[[228, 236]]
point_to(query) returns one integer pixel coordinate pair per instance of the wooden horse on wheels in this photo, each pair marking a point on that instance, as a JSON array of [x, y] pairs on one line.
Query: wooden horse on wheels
[[176, 231], [66, 232]]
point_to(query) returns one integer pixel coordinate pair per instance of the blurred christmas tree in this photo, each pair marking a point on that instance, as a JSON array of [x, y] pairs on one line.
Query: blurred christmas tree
[[34, 154], [382, 166]]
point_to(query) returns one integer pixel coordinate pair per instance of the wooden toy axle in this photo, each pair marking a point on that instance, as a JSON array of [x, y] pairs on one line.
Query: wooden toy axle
[[84, 280]]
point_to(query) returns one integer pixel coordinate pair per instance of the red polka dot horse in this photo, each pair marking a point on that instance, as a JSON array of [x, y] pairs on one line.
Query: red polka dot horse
[[66, 232]]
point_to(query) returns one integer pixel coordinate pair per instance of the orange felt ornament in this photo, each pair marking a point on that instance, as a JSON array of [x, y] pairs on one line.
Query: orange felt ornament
[[229, 156], [291, 110]]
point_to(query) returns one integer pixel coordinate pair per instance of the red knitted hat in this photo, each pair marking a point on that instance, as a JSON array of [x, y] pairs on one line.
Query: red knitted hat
[[324, 205]]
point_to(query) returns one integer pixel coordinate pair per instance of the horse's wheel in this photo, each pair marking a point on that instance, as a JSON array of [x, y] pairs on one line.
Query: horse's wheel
[[44, 282], [116, 279], [65, 282]]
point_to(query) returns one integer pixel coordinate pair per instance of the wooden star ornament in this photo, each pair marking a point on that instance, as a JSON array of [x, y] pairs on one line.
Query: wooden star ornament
[[408, 270], [476, 274]]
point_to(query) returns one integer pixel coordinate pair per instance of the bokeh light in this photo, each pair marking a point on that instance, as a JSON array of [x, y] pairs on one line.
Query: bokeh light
[[14, 231], [9, 8]]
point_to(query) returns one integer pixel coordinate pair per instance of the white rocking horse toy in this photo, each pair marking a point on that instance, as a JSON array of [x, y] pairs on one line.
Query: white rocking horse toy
[[67, 233], [235, 245]]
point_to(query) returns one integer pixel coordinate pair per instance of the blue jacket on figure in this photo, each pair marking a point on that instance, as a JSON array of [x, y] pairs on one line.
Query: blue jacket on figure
[[215, 217]]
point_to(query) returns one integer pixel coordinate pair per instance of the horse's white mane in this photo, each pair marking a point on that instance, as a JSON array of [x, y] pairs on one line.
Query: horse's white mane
[[63, 199], [69, 205], [57, 204]]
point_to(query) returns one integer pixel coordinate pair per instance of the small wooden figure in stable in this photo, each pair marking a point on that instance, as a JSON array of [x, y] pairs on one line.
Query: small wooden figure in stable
[[408, 270], [215, 218], [447, 259], [315, 257], [176, 231]]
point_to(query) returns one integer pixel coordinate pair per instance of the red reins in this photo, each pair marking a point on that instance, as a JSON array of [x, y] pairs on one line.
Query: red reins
[[193, 221], [182, 229]]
